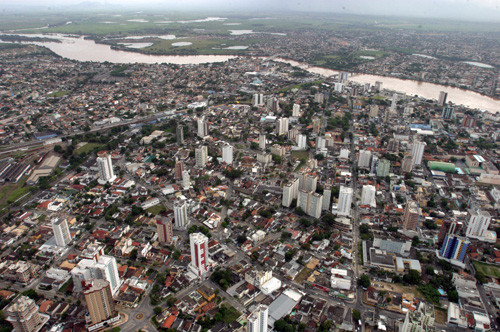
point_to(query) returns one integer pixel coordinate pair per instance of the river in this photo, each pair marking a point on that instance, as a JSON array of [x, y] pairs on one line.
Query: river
[[80, 49]]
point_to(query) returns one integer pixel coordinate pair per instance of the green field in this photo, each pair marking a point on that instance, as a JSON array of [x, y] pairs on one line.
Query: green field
[[11, 192], [89, 147], [156, 210], [487, 269], [300, 154]]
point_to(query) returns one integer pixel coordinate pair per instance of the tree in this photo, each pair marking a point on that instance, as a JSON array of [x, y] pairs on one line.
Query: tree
[[364, 281], [157, 310], [356, 315], [241, 239], [413, 277]]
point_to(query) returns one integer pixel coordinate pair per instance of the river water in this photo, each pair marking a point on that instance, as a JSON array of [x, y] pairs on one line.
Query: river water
[[87, 50]]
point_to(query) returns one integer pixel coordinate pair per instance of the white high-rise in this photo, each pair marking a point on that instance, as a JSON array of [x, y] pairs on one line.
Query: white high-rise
[[202, 127], [311, 203], [345, 200], [290, 192], [257, 321], [199, 253], [296, 110], [327, 197], [478, 224], [417, 152], [227, 154], [258, 100], [368, 196], [186, 180], [282, 126], [102, 267], [262, 141], [105, 166], [364, 158], [301, 142], [61, 232], [180, 214], [201, 156]]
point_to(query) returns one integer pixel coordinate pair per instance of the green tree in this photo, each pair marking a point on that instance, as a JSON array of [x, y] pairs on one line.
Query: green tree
[[364, 281]]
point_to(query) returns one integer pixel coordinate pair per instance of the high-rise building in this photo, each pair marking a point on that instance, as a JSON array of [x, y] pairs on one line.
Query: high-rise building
[[257, 321], [99, 300], [447, 112], [469, 122], [296, 110], [290, 192], [180, 214], [407, 164], [421, 319], [383, 168], [378, 86], [310, 202], [374, 111], [316, 123], [310, 182], [258, 100], [199, 253], [344, 202], [411, 216], [417, 152], [105, 166], [180, 134], [227, 154], [478, 224], [327, 197], [201, 156], [179, 168], [394, 102], [374, 164], [449, 227], [442, 98], [273, 104], [23, 314], [102, 267], [301, 142], [368, 195], [186, 180], [202, 127], [319, 97], [61, 232], [320, 143], [282, 126], [364, 159], [165, 229], [393, 145], [262, 141], [454, 247]]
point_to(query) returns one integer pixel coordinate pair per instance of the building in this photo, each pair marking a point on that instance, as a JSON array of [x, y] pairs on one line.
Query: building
[[368, 196], [257, 321], [373, 165], [296, 110], [199, 253], [258, 100], [449, 227], [282, 126], [320, 143], [165, 229], [273, 104], [227, 154], [393, 145], [262, 141], [202, 127], [442, 98], [290, 192], [407, 164], [201, 156], [310, 202], [411, 216], [179, 168], [417, 152], [394, 102], [23, 314], [101, 267], [374, 111], [478, 224], [421, 319], [383, 168], [180, 134], [180, 214], [447, 112], [343, 207], [61, 232], [105, 166], [364, 159], [316, 123], [469, 122], [186, 180], [301, 142], [327, 197], [310, 182], [99, 300], [454, 248]]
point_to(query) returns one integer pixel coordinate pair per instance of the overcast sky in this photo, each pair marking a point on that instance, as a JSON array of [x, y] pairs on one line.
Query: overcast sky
[[477, 10]]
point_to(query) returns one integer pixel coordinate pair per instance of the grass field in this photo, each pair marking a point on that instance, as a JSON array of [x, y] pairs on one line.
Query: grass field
[[89, 147], [487, 269], [303, 275], [231, 314], [441, 315], [300, 154], [156, 210], [11, 192]]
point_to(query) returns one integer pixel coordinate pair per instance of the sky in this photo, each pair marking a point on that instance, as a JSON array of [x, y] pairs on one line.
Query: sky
[[475, 10]]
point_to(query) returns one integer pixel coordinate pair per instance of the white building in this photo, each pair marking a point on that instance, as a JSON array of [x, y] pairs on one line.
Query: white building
[[186, 180], [374, 111], [327, 197], [258, 100], [262, 141], [227, 154], [201, 156], [301, 142], [61, 232], [344, 154], [290, 192], [479, 221], [103, 267], [282, 126], [368, 195], [199, 253], [202, 127], [364, 159], [257, 321], [343, 207], [417, 152], [320, 143], [310, 202], [180, 214], [296, 110], [105, 167]]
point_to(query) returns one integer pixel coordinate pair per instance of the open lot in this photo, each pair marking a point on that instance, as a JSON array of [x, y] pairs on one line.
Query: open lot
[[487, 269]]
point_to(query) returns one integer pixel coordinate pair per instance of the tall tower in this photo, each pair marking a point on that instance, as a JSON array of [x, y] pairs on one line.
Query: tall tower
[[442, 98], [301, 142], [104, 268], [201, 156], [23, 315], [179, 168], [345, 200], [227, 154], [290, 192], [282, 126], [202, 127], [180, 214], [105, 166], [365, 157], [478, 224], [165, 230], [417, 152], [407, 164], [327, 197], [262, 141], [61, 232], [368, 196], [296, 110], [454, 247], [180, 135], [411, 216], [186, 180], [99, 300], [257, 321], [199, 253]]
